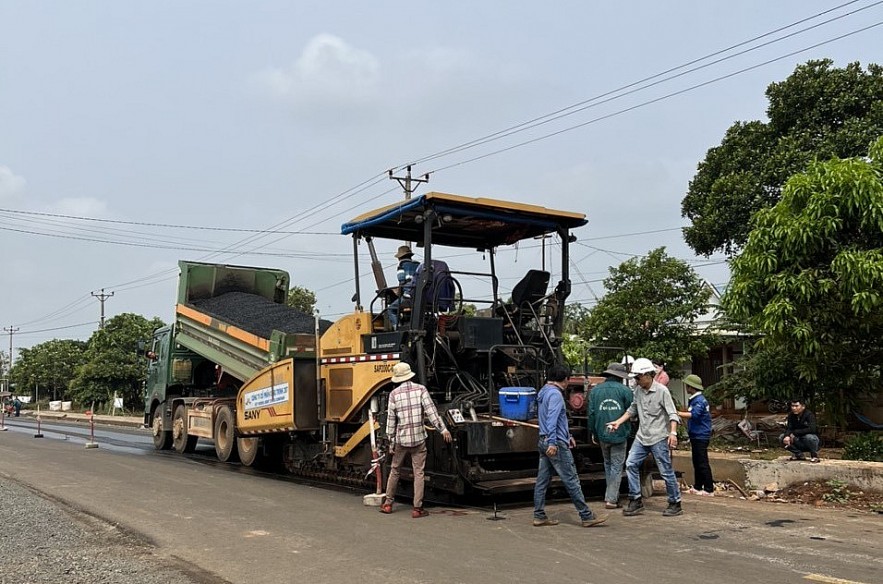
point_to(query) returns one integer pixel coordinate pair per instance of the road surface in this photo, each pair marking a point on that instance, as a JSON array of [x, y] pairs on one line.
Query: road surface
[[242, 527]]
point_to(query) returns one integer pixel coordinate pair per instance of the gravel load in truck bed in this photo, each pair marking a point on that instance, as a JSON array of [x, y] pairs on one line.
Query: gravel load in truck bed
[[258, 315]]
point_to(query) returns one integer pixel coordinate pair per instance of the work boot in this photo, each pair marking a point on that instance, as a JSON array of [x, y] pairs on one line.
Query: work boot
[[635, 507], [544, 522], [673, 509], [594, 520]]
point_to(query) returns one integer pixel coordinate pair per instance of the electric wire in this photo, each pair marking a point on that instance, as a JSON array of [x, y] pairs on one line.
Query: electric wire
[[578, 107], [343, 195], [655, 100], [59, 311], [24, 333], [165, 225], [275, 229], [294, 255]]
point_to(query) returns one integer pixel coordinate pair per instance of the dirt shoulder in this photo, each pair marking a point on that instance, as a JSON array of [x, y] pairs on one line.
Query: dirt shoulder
[[830, 494]]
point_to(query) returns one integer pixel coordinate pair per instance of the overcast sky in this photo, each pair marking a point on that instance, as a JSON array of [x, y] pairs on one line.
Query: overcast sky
[[257, 115]]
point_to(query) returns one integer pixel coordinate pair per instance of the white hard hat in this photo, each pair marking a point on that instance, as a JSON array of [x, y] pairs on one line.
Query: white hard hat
[[642, 365]]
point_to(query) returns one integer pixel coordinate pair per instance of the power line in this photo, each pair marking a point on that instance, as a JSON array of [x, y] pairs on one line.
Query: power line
[[166, 225], [58, 328], [290, 254], [166, 274], [475, 142], [582, 105], [655, 100], [276, 229], [55, 314]]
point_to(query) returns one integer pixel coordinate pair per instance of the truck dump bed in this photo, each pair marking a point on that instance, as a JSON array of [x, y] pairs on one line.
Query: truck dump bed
[[236, 316]]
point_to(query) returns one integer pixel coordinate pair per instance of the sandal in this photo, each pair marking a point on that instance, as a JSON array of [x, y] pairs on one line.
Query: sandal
[[796, 458], [815, 459]]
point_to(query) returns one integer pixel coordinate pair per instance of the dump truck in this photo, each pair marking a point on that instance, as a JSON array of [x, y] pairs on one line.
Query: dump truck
[[227, 368], [267, 384]]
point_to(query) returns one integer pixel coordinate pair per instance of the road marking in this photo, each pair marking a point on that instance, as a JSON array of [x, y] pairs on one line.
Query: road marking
[[261, 533], [828, 579]]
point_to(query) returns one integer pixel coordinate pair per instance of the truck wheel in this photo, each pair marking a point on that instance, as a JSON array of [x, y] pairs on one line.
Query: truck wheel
[[225, 435], [249, 450], [181, 442], [162, 437]]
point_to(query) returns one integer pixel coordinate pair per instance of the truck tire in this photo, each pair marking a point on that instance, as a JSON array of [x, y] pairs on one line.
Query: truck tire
[[249, 449], [225, 435], [162, 436], [181, 442]]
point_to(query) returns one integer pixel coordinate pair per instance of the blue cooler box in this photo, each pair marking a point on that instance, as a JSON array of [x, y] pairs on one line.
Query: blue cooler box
[[518, 403]]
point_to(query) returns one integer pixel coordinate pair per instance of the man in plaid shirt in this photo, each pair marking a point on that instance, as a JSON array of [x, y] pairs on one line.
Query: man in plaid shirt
[[409, 403]]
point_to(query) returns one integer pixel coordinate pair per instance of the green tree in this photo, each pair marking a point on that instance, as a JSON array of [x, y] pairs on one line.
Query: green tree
[[761, 373], [112, 363], [574, 314], [50, 365], [815, 114], [4, 363], [301, 299], [810, 279], [573, 346], [650, 307]]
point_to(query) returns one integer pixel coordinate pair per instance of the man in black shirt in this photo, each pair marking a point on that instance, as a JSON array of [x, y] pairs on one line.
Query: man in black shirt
[[801, 433]]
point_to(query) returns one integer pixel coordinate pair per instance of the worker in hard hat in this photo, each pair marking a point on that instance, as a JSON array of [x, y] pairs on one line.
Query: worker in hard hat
[[657, 434]]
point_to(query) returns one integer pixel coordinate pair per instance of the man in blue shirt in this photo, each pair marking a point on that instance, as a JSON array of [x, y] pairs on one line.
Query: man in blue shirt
[[554, 447], [699, 429]]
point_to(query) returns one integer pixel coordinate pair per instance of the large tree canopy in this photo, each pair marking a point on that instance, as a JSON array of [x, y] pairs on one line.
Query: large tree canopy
[[49, 366], [817, 113], [112, 362], [810, 279], [649, 309]]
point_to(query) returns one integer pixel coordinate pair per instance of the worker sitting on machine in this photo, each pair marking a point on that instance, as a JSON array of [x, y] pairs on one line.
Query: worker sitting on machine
[[405, 274]]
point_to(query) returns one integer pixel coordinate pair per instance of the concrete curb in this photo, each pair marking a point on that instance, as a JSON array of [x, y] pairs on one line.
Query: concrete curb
[[78, 418], [860, 474], [756, 474]]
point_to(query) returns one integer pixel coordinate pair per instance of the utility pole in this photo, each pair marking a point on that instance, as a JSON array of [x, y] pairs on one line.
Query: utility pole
[[11, 330], [102, 297], [406, 181]]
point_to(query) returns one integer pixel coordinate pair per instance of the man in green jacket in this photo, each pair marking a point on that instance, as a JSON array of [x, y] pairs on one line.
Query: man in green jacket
[[607, 402]]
